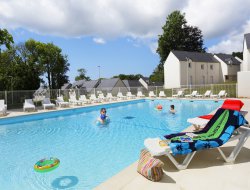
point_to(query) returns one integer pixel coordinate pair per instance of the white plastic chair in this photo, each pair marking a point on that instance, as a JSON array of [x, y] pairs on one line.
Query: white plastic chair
[[84, 99], [162, 94], [221, 94], [120, 96], [94, 99], [74, 101], [206, 94], [102, 97], [194, 93], [47, 104], [28, 105], [130, 95], [140, 95], [61, 103], [110, 96], [151, 94], [179, 94], [3, 107]]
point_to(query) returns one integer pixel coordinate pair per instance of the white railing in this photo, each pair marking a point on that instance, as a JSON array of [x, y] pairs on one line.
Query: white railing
[[15, 99]]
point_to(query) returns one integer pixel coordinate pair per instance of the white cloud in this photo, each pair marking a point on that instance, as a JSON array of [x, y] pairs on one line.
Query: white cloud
[[233, 42], [99, 40], [106, 19], [217, 18], [136, 19]]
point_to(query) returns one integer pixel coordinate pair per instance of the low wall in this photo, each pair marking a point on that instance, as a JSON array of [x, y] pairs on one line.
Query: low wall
[[243, 84]]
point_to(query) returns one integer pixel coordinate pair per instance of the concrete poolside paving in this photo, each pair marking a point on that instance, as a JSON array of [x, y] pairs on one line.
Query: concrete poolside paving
[[206, 171]]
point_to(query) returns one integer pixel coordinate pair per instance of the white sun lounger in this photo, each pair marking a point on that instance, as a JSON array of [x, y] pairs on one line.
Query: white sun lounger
[[154, 147], [61, 103], [221, 94], [193, 94], [84, 99], [3, 108], [151, 94], [28, 105], [94, 99], [199, 123], [74, 101], [120, 96], [47, 104], [140, 95], [110, 97], [179, 94], [207, 94], [130, 95], [162, 94], [102, 97]]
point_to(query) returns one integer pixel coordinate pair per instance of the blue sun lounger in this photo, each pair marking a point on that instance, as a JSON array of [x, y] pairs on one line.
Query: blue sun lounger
[[224, 126]]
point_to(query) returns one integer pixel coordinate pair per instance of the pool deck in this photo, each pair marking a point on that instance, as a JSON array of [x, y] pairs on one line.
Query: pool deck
[[206, 171]]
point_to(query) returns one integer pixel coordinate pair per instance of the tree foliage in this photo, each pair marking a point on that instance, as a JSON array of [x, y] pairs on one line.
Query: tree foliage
[[128, 77], [6, 39], [177, 35], [23, 66], [238, 54], [82, 75]]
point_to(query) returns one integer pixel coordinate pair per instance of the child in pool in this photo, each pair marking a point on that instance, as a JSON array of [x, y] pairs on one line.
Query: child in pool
[[103, 116], [172, 110]]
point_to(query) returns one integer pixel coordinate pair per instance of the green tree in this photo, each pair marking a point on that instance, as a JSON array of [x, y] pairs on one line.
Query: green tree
[[177, 35], [128, 77], [82, 75], [55, 65], [238, 54], [19, 69], [6, 39]]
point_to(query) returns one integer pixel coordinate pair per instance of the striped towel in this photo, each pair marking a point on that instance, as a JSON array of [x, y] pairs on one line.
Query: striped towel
[[150, 167]]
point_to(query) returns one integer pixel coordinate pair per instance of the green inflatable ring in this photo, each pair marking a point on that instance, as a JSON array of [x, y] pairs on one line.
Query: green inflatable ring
[[46, 164]]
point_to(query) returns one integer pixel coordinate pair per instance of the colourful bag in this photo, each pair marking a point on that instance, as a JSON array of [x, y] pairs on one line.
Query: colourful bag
[[150, 167]]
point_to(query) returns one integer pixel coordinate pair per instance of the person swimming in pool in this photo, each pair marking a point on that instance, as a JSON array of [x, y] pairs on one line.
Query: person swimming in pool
[[103, 117], [172, 110]]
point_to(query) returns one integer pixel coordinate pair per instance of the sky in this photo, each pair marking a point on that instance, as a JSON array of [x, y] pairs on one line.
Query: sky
[[121, 36]]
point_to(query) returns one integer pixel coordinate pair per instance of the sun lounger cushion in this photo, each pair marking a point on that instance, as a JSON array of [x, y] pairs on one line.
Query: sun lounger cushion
[[206, 116], [150, 167], [232, 104], [216, 133]]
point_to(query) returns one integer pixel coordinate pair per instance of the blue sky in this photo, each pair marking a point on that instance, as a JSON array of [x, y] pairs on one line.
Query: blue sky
[[117, 56], [121, 36]]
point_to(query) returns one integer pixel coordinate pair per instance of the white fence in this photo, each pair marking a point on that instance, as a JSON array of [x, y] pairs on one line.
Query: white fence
[[15, 99]]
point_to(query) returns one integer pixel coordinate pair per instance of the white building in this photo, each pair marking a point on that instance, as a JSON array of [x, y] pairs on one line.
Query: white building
[[183, 68], [244, 74], [229, 66]]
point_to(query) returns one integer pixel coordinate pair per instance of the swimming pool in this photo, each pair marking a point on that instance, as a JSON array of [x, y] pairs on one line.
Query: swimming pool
[[89, 154]]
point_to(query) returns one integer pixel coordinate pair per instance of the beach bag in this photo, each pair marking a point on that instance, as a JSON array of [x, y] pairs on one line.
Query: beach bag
[[150, 167]]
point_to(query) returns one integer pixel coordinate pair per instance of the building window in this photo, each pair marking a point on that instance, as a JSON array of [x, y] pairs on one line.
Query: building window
[[211, 79], [202, 67], [189, 65], [211, 67], [226, 77]]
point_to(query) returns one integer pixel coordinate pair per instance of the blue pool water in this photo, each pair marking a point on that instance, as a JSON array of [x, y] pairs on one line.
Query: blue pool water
[[89, 154]]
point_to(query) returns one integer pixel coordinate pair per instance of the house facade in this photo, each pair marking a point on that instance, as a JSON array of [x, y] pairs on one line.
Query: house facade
[[244, 74], [229, 66], [184, 68]]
